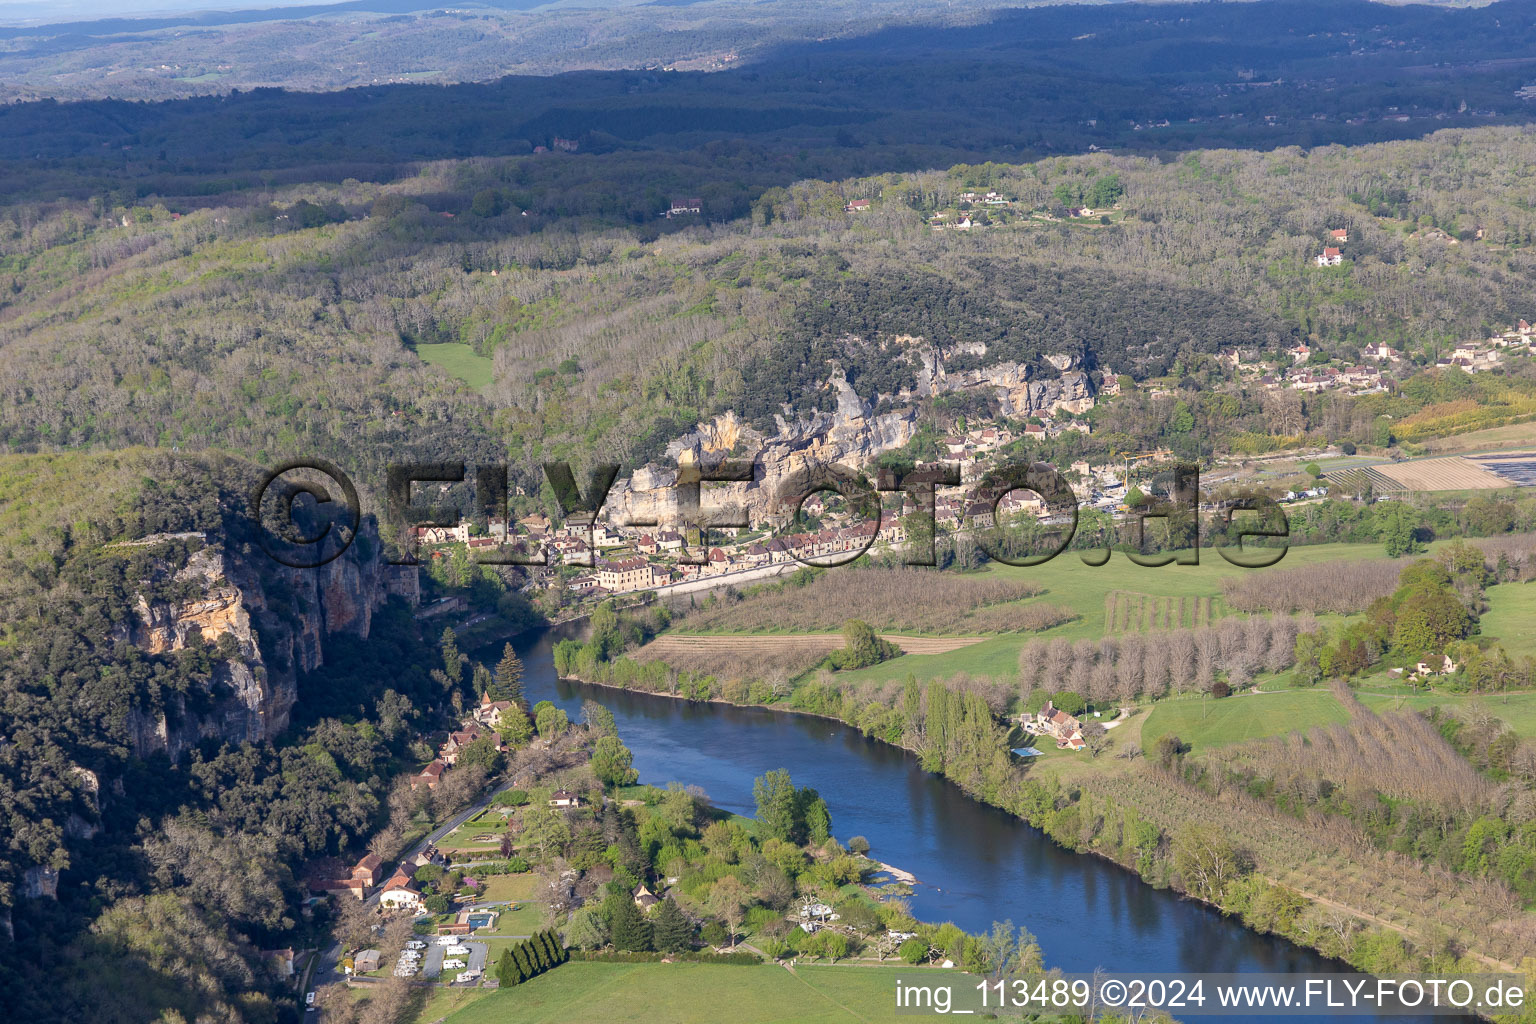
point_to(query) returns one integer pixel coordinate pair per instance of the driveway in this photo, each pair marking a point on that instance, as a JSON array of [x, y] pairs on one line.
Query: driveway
[[432, 963]]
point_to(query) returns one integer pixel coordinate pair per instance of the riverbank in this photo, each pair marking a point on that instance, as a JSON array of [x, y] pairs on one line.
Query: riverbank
[[1358, 906]]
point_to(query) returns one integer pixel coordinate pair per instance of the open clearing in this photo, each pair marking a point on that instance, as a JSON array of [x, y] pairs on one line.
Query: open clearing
[[1207, 722], [460, 360], [693, 994], [1511, 617]]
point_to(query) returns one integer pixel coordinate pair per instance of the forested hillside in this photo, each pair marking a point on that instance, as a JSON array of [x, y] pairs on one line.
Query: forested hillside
[[133, 881], [296, 326]]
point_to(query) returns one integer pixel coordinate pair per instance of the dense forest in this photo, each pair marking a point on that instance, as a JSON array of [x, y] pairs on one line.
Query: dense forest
[[169, 876], [296, 325], [897, 95]]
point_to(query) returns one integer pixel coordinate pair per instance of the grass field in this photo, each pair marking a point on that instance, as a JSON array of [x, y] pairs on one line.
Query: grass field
[[1246, 717], [693, 994], [1084, 588], [460, 360], [1204, 723], [441, 1002], [1511, 436], [509, 887], [1511, 617], [1517, 710]]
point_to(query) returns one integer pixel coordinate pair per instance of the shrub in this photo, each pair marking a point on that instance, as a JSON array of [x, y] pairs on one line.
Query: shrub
[[651, 957]]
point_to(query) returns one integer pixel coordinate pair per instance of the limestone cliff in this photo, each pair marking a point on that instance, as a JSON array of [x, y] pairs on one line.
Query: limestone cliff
[[851, 434], [276, 620], [1018, 392]]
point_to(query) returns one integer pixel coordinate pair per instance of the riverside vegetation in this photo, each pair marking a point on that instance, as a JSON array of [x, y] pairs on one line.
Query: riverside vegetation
[[1438, 806], [190, 291]]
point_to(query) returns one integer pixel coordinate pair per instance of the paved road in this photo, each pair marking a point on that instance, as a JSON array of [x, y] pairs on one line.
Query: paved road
[[432, 964], [326, 970]]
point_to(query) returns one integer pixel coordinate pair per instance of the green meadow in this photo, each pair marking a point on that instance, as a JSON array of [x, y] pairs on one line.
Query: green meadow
[[656, 993], [1206, 722], [1511, 617], [459, 360]]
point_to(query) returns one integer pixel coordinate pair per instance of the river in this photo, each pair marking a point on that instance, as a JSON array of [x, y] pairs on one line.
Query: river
[[975, 864]]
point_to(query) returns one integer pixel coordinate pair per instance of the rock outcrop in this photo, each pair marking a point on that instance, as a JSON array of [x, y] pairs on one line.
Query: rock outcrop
[[851, 435], [269, 623]]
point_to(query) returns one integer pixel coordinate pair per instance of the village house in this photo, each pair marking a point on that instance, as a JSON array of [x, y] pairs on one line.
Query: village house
[[980, 515], [564, 798], [449, 752], [644, 898], [857, 206], [430, 776], [368, 869], [1338, 235], [669, 540], [1053, 722], [353, 887], [399, 894], [1425, 669], [1330, 257], [490, 712], [621, 575], [683, 207], [280, 960], [441, 534]]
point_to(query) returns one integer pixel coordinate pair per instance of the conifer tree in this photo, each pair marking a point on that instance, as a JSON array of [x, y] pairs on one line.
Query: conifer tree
[[671, 931], [631, 931], [508, 684], [453, 661]]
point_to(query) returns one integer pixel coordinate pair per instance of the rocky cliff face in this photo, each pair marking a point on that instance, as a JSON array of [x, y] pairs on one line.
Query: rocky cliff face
[[851, 435], [272, 619], [1018, 392]]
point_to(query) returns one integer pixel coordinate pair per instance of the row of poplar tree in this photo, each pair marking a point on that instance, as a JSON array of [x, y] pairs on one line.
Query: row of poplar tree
[[531, 957]]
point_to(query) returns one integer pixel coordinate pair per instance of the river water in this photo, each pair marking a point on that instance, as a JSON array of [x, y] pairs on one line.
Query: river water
[[975, 864]]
